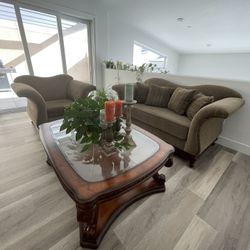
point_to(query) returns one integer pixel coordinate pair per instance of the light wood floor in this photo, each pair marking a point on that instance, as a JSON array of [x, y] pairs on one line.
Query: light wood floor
[[207, 207]]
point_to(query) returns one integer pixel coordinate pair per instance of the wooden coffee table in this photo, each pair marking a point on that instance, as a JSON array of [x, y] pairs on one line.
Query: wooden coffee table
[[103, 186]]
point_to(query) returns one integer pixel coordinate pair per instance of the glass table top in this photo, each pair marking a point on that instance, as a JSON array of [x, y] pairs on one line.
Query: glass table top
[[94, 165]]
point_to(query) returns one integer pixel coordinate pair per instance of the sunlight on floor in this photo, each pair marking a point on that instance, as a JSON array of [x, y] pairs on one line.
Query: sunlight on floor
[[9, 102]]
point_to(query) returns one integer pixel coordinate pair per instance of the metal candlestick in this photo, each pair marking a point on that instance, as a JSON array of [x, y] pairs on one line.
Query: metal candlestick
[[103, 126], [108, 138], [128, 138]]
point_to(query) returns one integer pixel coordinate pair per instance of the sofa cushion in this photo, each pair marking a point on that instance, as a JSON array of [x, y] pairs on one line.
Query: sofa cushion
[[198, 102], [162, 119], [141, 92], [180, 100], [50, 88], [56, 108], [77, 89], [158, 96], [119, 88]]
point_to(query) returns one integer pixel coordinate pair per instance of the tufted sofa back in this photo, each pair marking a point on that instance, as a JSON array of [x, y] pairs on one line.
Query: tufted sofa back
[[51, 88], [219, 92]]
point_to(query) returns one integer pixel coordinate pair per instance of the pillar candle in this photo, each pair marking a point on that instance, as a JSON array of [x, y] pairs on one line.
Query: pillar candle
[[118, 108], [109, 111], [129, 92]]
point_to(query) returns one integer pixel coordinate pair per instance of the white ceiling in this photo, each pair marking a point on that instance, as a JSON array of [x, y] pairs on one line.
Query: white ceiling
[[225, 24]]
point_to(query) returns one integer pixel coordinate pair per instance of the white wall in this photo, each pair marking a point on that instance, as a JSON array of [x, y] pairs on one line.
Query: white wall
[[227, 66], [121, 39], [87, 9]]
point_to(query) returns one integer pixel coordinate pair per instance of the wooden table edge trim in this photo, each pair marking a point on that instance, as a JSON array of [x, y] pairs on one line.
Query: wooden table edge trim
[[76, 184]]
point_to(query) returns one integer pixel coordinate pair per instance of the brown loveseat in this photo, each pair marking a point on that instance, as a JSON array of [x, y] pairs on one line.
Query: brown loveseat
[[47, 96], [189, 137]]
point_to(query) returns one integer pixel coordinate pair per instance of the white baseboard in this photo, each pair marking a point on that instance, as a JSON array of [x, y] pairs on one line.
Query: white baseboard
[[238, 146]]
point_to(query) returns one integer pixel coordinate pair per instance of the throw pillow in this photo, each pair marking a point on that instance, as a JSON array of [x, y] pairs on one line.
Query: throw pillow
[[198, 102], [141, 92], [180, 100], [158, 96]]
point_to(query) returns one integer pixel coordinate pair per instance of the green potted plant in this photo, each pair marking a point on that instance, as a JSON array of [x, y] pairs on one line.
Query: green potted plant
[[83, 118]]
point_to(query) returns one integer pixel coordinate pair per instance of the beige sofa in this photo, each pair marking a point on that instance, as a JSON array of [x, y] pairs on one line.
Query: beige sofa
[[47, 96], [189, 137]]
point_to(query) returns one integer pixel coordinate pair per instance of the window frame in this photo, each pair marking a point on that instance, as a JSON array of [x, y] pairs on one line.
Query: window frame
[[88, 20], [152, 50]]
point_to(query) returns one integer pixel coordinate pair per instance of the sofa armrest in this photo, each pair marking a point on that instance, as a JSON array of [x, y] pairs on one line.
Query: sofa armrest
[[77, 89], [220, 109], [24, 90]]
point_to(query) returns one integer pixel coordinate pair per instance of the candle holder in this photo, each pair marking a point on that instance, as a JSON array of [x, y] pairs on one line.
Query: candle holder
[[103, 126], [108, 138], [128, 107]]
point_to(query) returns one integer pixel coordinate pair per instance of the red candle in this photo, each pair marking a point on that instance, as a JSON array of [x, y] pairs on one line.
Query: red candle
[[118, 108], [109, 111]]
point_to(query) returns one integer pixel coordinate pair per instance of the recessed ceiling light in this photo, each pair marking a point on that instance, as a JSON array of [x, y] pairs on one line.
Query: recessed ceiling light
[[209, 44], [180, 19]]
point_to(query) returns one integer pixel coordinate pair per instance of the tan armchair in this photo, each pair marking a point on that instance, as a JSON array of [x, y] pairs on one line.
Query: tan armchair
[[47, 96]]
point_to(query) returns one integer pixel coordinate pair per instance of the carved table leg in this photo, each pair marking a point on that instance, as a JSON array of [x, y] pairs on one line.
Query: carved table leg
[[49, 161], [169, 162], [87, 219], [160, 178]]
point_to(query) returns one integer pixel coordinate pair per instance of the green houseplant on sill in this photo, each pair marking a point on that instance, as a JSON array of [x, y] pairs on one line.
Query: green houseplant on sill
[[83, 117]]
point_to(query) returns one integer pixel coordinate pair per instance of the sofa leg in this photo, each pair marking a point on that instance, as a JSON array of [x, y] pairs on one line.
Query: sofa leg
[[213, 143], [191, 162]]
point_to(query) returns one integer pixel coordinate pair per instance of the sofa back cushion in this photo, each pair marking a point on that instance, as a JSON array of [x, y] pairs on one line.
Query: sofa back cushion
[[199, 101], [158, 96], [218, 92], [77, 89], [50, 88], [119, 88], [141, 92], [181, 99]]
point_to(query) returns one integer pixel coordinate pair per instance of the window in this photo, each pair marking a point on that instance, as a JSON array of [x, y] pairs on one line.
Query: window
[[11, 47], [142, 54], [43, 43], [75, 35]]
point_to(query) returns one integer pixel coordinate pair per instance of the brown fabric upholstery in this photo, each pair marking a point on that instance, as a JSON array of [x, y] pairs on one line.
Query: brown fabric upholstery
[[180, 100], [219, 109], [194, 136], [36, 106], [162, 119], [209, 132], [141, 92], [36, 114], [158, 96], [50, 88], [77, 89], [47, 96], [218, 92], [171, 139], [199, 101], [119, 88], [56, 108]]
